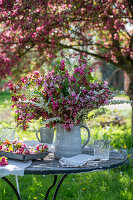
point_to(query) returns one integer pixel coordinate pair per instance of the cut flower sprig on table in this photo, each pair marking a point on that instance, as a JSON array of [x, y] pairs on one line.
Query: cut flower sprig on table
[[3, 161], [59, 96], [19, 147]]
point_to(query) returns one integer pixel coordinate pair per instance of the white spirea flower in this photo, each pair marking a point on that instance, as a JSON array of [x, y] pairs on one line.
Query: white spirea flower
[[17, 87], [101, 91], [95, 92], [32, 102]]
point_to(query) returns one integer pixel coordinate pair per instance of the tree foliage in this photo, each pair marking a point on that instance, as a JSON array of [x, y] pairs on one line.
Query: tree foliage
[[44, 27], [32, 32]]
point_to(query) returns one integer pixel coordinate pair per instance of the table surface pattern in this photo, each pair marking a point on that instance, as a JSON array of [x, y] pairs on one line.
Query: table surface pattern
[[50, 165]]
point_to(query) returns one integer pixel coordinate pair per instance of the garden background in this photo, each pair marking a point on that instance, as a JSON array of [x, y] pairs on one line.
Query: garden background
[[33, 36]]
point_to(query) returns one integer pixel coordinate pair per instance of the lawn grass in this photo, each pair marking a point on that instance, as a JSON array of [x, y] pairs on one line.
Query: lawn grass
[[113, 184], [106, 185], [5, 96]]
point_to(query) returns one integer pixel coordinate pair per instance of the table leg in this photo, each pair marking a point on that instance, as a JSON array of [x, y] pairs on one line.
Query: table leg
[[12, 186], [50, 187], [58, 186]]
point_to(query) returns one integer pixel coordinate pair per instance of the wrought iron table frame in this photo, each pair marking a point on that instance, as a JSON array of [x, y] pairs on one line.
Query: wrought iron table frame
[[49, 165]]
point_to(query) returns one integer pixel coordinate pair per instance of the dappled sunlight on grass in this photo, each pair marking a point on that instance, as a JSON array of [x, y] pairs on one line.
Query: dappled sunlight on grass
[[119, 135]]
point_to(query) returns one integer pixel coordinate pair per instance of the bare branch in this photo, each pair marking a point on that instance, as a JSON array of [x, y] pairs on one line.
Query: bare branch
[[131, 43], [94, 55]]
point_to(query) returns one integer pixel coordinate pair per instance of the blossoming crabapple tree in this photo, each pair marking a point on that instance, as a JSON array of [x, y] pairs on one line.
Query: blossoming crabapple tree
[[44, 27]]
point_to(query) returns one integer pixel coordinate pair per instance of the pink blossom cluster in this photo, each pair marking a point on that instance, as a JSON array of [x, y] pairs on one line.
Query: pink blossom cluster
[[59, 97], [3, 161], [40, 26], [16, 147], [41, 147], [20, 147]]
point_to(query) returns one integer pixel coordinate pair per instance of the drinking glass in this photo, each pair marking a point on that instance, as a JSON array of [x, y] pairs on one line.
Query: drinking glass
[[102, 149], [8, 134]]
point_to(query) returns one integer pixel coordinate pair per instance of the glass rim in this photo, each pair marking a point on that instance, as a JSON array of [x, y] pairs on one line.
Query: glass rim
[[102, 141]]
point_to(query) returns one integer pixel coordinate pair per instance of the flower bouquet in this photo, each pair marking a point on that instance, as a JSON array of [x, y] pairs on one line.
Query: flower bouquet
[[59, 96]]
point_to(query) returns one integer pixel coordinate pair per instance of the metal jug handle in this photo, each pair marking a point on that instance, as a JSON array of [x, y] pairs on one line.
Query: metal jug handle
[[88, 130], [37, 135]]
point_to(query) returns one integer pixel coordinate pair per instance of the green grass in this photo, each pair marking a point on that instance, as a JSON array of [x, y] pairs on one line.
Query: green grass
[[5, 96], [105, 185]]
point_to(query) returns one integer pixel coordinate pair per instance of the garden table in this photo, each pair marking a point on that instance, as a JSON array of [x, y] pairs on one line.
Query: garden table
[[49, 165]]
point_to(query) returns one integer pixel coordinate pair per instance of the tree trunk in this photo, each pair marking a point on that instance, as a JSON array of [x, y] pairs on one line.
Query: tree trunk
[[130, 94], [126, 82]]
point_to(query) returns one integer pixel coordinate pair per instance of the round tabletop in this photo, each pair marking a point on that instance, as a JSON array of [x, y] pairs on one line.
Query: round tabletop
[[50, 165]]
